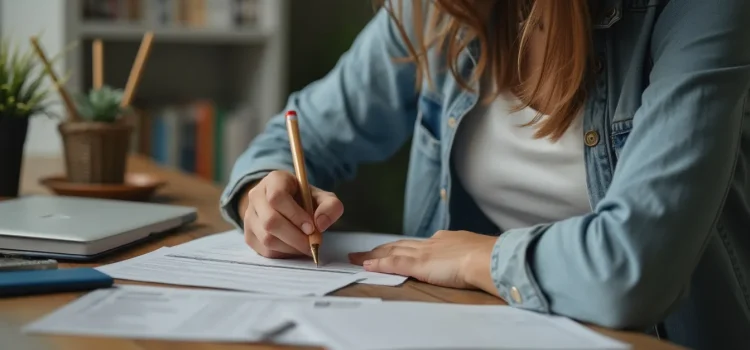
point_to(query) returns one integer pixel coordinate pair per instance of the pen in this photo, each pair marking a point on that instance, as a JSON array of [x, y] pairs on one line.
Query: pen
[[277, 331], [298, 157]]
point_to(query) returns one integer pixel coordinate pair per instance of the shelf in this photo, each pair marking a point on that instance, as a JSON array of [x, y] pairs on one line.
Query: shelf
[[134, 32]]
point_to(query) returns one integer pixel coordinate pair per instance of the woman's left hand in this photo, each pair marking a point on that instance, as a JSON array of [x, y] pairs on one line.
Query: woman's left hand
[[455, 259]]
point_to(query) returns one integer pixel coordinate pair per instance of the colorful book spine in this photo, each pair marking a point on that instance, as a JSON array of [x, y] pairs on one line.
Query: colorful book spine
[[158, 139], [187, 147], [205, 139], [172, 117], [198, 138], [218, 146]]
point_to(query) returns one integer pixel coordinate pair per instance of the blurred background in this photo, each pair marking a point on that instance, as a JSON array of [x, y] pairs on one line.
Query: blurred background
[[218, 69]]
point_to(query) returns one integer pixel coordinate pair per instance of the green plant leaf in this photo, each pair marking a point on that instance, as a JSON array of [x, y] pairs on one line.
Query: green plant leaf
[[102, 105], [32, 88], [22, 76]]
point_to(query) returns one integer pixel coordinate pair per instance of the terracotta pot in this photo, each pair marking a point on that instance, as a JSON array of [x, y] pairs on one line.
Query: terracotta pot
[[95, 152], [12, 139]]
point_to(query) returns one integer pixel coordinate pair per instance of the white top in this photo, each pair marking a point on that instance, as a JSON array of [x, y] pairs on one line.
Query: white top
[[515, 179]]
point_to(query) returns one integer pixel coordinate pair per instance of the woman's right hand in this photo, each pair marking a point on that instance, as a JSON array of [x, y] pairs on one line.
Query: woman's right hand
[[276, 226]]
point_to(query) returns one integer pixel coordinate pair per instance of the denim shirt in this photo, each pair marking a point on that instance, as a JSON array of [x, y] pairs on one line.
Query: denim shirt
[[667, 142]]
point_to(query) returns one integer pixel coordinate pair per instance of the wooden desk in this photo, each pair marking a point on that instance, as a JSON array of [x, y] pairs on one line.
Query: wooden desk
[[188, 190]]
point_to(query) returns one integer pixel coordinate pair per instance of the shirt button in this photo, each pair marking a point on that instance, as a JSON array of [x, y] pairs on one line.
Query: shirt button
[[608, 18], [598, 65], [443, 194], [452, 122], [515, 295], [612, 13], [591, 138]]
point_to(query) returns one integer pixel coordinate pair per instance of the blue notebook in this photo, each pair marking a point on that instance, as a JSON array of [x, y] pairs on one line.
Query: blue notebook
[[20, 283]]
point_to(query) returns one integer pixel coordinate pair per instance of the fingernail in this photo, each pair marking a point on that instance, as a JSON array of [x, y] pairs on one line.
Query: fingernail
[[323, 222], [367, 263], [307, 228]]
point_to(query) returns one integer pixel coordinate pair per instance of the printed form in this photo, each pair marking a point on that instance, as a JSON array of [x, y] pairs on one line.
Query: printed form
[[231, 247], [224, 261], [161, 267], [144, 312]]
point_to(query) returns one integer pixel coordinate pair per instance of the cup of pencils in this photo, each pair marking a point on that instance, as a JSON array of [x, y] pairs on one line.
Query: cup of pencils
[[96, 136]]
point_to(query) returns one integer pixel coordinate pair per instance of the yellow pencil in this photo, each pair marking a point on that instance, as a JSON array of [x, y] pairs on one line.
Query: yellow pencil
[[298, 157]]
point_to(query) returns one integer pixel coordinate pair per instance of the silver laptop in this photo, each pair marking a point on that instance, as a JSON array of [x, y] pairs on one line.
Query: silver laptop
[[75, 228]]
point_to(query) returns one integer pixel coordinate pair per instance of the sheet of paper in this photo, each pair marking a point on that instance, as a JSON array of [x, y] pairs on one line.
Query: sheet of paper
[[159, 267], [144, 312], [230, 247], [416, 326]]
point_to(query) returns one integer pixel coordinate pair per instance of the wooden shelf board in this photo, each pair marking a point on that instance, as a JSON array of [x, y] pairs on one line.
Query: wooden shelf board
[[128, 31]]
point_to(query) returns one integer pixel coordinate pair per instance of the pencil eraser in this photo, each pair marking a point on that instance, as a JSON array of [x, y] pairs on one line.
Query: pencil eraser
[[291, 115]]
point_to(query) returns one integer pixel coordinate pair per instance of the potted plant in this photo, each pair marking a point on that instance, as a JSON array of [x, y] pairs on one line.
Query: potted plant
[[96, 136], [22, 95], [96, 146]]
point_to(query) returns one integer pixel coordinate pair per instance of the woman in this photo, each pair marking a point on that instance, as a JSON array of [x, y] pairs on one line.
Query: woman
[[587, 158]]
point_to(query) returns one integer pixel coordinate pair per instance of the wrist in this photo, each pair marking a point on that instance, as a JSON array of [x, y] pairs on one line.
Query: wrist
[[244, 200], [477, 271]]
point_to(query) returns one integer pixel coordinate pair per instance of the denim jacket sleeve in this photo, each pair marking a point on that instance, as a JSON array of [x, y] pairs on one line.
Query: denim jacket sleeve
[[362, 111], [627, 263]]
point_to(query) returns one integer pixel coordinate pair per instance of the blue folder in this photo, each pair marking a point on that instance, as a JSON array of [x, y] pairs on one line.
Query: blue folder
[[21, 283]]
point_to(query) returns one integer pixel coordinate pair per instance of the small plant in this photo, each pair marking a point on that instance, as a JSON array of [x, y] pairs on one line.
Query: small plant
[[22, 93], [101, 105]]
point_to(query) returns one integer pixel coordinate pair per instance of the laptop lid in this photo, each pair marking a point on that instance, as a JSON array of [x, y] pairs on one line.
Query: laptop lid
[[82, 227]]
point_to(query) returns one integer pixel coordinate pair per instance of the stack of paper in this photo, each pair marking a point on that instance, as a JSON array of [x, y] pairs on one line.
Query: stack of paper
[[279, 313], [336, 323], [417, 326], [185, 314], [224, 261]]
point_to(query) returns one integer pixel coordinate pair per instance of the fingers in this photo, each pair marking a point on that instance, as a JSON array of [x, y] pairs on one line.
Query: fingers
[[400, 248], [279, 194], [394, 264], [252, 241], [252, 225], [275, 231], [276, 222], [329, 209]]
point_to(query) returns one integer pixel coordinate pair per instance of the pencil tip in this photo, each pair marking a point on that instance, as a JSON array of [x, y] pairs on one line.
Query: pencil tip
[[314, 249]]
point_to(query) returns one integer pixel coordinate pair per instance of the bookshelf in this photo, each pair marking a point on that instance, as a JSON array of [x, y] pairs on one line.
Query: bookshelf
[[215, 74]]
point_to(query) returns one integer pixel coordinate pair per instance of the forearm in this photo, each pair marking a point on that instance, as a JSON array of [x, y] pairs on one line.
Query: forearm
[[363, 111]]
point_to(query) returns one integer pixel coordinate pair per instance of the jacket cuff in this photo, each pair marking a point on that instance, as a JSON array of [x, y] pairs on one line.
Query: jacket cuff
[[511, 271]]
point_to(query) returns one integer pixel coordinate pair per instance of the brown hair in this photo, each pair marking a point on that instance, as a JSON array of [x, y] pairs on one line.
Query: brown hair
[[503, 29]]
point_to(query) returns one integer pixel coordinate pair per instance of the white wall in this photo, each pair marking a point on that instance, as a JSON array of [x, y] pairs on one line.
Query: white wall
[[20, 20]]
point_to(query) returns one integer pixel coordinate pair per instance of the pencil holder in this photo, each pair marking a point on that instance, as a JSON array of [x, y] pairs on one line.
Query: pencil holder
[[96, 152]]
